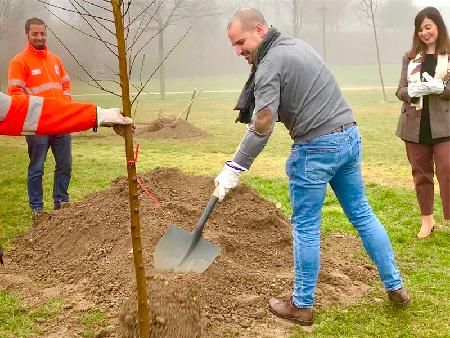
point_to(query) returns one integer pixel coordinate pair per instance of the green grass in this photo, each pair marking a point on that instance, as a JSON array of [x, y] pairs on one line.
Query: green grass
[[99, 158], [347, 76], [14, 319], [366, 75], [92, 321], [17, 321]]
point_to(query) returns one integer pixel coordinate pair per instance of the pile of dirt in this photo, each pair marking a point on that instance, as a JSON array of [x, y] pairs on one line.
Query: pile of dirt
[[169, 128], [174, 310], [87, 248]]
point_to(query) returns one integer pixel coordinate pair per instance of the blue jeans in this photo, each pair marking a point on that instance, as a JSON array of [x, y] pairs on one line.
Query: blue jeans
[[335, 159], [38, 146]]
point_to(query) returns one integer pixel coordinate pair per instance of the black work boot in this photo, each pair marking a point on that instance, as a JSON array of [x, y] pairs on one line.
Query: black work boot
[[400, 297], [288, 310]]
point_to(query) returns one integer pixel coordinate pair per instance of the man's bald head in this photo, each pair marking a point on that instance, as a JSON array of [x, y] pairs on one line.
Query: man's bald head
[[248, 17], [246, 31]]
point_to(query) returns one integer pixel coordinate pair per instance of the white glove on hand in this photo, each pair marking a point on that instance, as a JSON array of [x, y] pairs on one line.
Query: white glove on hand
[[417, 89], [110, 117], [228, 178], [435, 86]]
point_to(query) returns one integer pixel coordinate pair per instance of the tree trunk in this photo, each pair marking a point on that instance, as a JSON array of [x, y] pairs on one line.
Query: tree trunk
[[162, 76], [296, 18], [144, 326], [378, 51]]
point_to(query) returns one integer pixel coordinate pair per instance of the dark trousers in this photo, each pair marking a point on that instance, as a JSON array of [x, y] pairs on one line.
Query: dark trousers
[[425, 159], [38, 146]]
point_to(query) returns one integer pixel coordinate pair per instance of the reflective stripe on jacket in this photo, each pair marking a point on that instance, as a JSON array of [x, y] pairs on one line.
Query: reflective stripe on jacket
[[38, 72], [34, 115]]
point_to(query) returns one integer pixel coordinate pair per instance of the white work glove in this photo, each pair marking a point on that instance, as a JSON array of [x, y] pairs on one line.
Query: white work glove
[[435, 86], [111, 116], [417, 89], [228, 178]]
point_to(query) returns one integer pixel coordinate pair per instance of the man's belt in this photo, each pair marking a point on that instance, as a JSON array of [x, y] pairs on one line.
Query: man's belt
[[342, 128]]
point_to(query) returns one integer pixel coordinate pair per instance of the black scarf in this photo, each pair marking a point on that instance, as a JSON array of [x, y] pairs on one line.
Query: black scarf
[[246, 101]]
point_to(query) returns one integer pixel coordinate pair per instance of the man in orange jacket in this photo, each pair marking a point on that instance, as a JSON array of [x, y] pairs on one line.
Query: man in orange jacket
[[37, 71]]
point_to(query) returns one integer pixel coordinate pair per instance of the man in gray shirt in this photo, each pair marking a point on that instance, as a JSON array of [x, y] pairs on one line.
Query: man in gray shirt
[[290, 83]]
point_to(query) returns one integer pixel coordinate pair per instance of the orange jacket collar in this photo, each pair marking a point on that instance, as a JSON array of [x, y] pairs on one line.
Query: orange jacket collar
[[40, 53]]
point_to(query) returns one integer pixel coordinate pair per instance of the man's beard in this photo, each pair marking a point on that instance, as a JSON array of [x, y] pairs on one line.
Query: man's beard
[[39, 46]]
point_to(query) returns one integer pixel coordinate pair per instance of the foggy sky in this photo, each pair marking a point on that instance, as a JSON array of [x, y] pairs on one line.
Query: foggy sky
[[207, 51]]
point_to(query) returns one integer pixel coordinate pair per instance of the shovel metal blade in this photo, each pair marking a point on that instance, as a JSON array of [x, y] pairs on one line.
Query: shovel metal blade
[[174, 252]]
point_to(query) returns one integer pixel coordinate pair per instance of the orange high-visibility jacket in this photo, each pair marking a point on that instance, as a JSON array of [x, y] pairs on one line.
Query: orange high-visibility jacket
[[34, 115], [38, 72]]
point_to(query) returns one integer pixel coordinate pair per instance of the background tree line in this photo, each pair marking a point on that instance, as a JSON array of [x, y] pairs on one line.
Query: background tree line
[[337, 29]]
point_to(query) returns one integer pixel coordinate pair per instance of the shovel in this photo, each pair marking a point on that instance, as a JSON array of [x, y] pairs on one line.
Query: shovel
[[182, 251]]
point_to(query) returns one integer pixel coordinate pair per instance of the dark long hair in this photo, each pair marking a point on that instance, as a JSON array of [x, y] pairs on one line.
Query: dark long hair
[[442, 42]]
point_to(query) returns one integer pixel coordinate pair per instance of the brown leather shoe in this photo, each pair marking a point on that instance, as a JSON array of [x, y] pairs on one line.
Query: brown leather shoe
[[289, 311], [400, 297]]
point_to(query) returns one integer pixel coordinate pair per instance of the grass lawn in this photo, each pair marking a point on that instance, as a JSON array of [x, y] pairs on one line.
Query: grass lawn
[[347, 76], [100, 157]]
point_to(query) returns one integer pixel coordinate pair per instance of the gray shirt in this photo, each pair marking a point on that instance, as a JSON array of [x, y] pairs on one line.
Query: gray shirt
[[294, 83]]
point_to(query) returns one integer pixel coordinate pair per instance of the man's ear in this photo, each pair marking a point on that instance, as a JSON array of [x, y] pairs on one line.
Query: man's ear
[[260, 30]]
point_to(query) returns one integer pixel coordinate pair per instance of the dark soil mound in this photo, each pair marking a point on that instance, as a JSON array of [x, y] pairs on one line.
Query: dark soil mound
[[88, 246], [166, 128]]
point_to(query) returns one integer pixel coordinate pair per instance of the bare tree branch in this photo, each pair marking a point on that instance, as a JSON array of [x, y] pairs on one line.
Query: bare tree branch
[[142, 47], [98, 87], [81, 8], [143, 12], [79, 30], [140, 31], [72, 11], [140, 82], [125, 10], [98, 6], [174, 8], [93, 29], [88, 14], [156, 69], [369, 8], [112, 70], [82, 67], [176, 12]]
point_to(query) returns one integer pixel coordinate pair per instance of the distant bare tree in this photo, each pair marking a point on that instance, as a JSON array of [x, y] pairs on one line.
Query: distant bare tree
[[337, 10], [368, 9], [324, 9], [13, 14], [297, 17], [170, 12], [10, 11], [389, 14], [325, 15]]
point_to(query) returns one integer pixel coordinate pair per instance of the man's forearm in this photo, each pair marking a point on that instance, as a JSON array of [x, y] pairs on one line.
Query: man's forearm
[[251, 145]]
